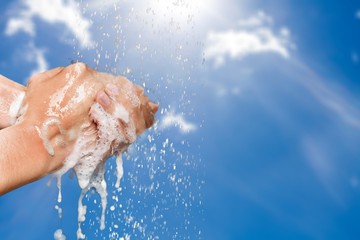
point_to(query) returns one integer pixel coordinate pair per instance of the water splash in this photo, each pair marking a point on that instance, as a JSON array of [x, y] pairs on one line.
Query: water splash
[[160, 195]]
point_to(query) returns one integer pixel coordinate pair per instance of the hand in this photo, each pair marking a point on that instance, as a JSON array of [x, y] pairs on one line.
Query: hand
[[57, 104], [55, 113], [62, 114], [121, 113]]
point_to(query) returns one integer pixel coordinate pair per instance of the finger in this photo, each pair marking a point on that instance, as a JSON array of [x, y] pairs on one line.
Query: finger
[[51, 73], [40, 77], [139, 90], [112, 107], [148, 110], [154, 107], [6, 83], [104, 100], [108, 98], [112, 91], [79, 71]]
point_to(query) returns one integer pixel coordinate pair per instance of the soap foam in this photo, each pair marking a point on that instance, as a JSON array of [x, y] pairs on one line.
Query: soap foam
[[130, 94], [11, 105], [119, 169], [15, 107], [97, 182], [87, 157], [121, 113], [44, 132], [112, 135], [78, 97], [58, 184], [59, 235], [55, 109], [21, 112], [59, 210]]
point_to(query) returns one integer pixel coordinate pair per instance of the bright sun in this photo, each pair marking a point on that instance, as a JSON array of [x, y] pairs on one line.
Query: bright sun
[[179, 13]]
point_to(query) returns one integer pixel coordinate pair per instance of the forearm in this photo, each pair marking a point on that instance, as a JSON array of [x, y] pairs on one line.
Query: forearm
[[23, 158], [11, 96]]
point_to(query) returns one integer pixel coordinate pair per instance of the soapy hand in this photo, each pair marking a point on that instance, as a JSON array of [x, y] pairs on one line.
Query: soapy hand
[[120, 113], [57, 104], [63, 113], [65, 103]]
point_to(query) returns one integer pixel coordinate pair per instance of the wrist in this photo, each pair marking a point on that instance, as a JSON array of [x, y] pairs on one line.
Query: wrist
[[33, 150], [23, 158]]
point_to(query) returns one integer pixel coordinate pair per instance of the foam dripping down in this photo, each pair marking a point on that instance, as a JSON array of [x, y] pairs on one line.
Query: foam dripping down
[[119, 169], [102, 136], [59, 235], [87, 157], [43, 133]]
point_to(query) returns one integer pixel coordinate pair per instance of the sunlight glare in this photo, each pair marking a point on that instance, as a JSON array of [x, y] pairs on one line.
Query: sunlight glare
[[181, 13]]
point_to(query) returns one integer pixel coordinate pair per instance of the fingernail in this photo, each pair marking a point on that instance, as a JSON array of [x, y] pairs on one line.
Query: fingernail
[[154, 107], [112, 90], [104, 99]]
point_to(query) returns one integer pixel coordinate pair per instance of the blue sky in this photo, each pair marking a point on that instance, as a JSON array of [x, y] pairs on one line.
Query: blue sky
[[257, 134]]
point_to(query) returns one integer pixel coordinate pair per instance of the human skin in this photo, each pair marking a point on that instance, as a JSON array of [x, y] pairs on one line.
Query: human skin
[[53, 103], [9, 92]]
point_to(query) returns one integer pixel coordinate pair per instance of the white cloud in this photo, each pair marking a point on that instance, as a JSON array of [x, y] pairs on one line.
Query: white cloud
[[222, 90], [41, 62], [15, 25], [255, 21], [51, 11], [37, 55], [250, 40], [254, 36], [358, 14], [177, 120]]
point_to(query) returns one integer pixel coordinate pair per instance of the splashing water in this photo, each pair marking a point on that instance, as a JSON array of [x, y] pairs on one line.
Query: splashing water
[[106, 134], [59, 235], [87, 157], [161, 189]]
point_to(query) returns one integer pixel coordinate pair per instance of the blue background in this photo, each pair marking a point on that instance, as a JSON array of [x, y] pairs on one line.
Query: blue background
[[274, 153]]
